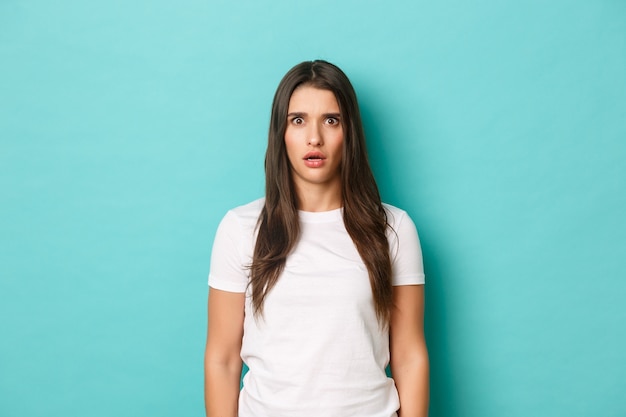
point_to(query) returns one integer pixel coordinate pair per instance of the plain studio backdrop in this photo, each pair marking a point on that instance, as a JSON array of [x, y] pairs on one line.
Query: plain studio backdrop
[[128, 129]]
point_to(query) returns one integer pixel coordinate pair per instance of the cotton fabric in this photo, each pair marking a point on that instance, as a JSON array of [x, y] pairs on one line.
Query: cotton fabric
[[318, 349]]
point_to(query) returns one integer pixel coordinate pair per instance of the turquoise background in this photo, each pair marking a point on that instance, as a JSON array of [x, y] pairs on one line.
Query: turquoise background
[[127, 129]]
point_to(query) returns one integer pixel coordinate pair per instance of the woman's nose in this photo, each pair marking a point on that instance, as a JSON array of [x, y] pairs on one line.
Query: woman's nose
[[315, 136]]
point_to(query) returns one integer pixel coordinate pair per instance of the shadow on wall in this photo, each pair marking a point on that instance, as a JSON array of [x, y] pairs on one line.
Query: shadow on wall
[[442, 397]]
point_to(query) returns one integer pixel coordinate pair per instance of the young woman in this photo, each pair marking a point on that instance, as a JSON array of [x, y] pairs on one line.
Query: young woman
[[318, 286]]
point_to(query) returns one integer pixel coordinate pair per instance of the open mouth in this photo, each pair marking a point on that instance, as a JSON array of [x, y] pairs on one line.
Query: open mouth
[[314, 156]]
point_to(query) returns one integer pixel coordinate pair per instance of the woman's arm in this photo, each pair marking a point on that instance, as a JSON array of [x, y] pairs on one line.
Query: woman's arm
[[222, 360], [409, 356]]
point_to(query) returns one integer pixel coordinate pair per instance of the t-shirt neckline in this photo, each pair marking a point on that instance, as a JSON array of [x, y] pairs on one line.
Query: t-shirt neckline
[[321, 216]]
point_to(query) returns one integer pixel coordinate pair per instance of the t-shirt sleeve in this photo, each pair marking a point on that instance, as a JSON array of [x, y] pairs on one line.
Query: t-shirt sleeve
[[406, 253], [228, 271]]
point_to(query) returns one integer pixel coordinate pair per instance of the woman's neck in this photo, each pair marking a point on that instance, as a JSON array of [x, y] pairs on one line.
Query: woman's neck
[[319, 198]]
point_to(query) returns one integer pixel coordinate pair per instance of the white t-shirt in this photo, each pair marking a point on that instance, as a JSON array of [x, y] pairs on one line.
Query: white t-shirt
[[318, 349]]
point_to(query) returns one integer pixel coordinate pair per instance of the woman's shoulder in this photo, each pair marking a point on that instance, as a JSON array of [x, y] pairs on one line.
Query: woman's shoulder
[[395, 215], [251, 209], [241, 220], [246, 215]]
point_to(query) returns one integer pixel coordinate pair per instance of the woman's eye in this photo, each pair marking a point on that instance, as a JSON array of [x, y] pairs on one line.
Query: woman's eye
[[297, 120], [332, 121]]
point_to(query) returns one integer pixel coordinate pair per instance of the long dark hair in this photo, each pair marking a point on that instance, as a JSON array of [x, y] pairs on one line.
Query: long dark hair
[[363, 214]]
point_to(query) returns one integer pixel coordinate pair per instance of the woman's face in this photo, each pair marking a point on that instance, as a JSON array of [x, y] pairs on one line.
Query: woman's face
[[314, 138]]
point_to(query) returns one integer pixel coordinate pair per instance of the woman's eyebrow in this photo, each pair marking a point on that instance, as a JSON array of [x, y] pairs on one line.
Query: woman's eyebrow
[[302, 114]]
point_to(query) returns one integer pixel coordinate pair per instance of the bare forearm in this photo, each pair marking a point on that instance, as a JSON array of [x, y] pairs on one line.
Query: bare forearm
[[222, 362], [413, 387], [221, 389]]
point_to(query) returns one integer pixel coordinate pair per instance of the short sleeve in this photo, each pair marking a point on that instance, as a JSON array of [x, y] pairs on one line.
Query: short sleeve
[[406, 253], [228, 271]]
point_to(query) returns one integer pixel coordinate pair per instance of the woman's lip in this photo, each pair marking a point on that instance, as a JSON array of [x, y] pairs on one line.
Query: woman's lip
[[314, 159], [314, 154], [314, 163]]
